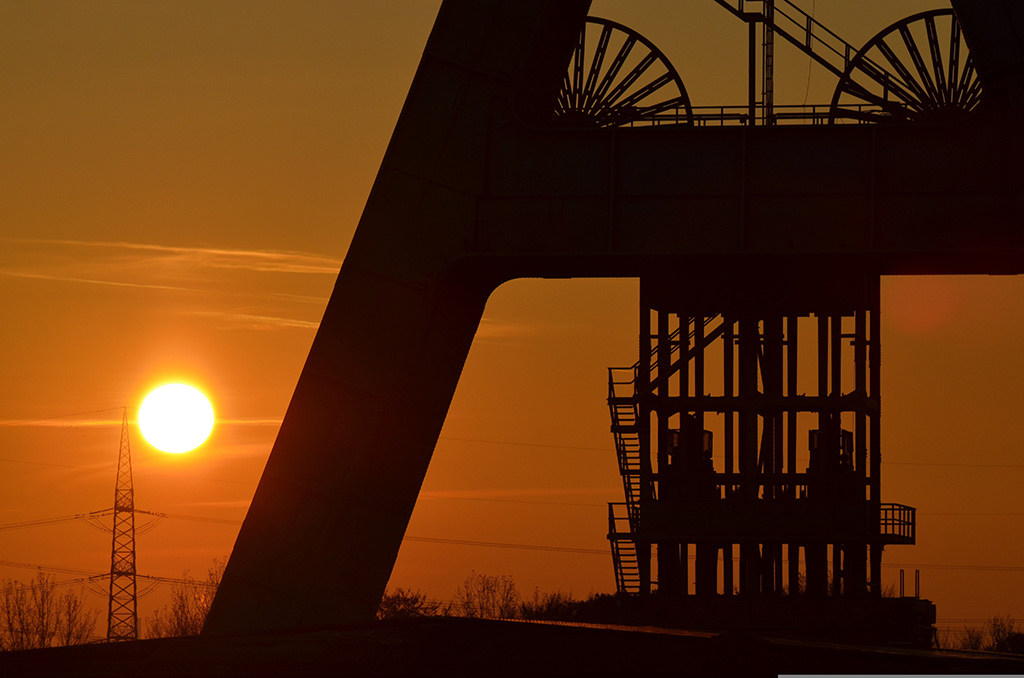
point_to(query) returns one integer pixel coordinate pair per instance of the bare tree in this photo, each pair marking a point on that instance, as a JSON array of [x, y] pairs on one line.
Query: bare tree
[[190, 603], [17, 620], [43, 600], [1004, 636], [402, 604], [34, 615], [971, 639], [75, 622], [557, 605], [1000, 634], [488, 597]]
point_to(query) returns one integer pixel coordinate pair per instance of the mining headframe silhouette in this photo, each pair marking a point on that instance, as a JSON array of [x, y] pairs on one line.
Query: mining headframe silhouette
[[538, 142]]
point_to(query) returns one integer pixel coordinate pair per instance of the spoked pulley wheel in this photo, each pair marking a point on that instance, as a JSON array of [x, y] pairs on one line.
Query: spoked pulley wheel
[[617, 77], [917, 70]]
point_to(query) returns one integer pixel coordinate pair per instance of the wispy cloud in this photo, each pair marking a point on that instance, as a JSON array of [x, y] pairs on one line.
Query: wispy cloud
[[256, 322], [70, 422], [212, 275], [503, 330], [268, 421], [276, 296], [210, 257], [58, 423], [112, 283]]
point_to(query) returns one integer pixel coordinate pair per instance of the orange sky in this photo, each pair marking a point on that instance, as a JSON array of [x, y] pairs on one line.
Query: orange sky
[[178, 185]]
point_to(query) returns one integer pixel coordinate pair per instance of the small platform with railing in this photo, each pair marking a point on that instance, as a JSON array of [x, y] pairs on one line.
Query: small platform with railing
[[898, 523]]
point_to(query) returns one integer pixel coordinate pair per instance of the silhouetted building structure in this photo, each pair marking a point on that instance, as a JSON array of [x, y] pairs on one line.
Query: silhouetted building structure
[[779, 366], [537, 143], [748, 438]]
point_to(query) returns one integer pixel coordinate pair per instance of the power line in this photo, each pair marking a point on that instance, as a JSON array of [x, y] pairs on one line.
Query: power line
[[51, 568], [951, 465], [107, 470], [427, 495], [22, 422], [503, 545], [93, 575], [88, 517], [204, 519], [988, 515], [43, 463], [62, 582], [978, 568], [176, 580], [610, 449], [55, 521]]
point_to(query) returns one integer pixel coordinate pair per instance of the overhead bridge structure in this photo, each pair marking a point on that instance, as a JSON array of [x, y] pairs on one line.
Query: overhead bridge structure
[[515, 157]]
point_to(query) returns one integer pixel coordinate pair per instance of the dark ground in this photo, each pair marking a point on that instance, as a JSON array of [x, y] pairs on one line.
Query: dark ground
[[463, 647]]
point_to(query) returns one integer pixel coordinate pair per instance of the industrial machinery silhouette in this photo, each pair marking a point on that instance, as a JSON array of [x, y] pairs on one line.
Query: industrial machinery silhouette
[[537, 143], [757, 519], [617, 77], [786, 381]]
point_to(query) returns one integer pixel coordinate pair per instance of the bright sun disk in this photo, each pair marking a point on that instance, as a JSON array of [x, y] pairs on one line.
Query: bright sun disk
[[175, 418]]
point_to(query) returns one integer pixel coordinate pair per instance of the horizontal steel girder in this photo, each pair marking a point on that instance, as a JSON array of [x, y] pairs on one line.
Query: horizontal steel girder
[[476, 190]]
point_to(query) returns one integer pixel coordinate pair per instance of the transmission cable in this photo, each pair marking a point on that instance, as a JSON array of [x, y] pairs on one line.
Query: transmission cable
[[86, 517], [22, 422]]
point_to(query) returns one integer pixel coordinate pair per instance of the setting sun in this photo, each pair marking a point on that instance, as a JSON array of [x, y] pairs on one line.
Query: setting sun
[[175, 418]]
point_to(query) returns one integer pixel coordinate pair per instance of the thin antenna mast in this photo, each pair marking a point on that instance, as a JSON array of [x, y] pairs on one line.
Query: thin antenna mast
[[123, 613]]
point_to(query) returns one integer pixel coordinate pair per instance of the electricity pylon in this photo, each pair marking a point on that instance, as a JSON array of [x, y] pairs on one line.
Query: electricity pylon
[[123, 612]]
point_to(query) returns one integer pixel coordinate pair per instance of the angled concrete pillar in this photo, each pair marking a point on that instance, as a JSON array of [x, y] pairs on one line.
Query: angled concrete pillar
[[477, 188]]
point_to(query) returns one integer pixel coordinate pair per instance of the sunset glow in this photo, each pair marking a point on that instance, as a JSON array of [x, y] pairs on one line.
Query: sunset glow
[[176, 418], [181, 182]]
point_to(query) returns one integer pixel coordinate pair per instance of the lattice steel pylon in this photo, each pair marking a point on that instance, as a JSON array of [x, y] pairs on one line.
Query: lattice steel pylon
[[123, 612]]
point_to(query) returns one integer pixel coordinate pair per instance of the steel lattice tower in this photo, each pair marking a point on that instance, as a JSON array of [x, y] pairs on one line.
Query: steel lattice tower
[[123, 615]]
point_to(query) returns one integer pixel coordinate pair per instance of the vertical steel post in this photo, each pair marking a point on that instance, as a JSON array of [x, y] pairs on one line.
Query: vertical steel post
[[857, 571], [836, 364], [875, 453], [751, 71], [816, 552], [748, 420], [706, 566], [791, 442], [643, 382], [768, 64], [683, 376], [668, 553], [728, 444], [860, 342]]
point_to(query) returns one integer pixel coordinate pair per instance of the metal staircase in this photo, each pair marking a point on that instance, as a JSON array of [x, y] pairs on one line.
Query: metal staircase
[[626, 431], [624, 555], [800, 29], [624, 407]]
